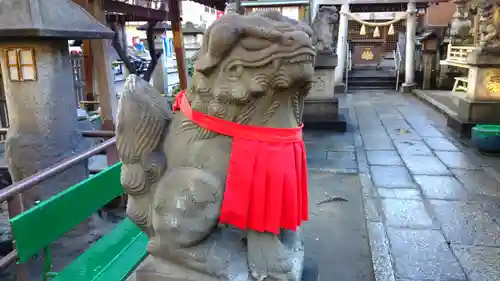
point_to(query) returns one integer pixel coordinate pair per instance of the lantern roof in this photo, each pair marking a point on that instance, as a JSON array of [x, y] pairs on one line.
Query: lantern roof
[[57, 19]]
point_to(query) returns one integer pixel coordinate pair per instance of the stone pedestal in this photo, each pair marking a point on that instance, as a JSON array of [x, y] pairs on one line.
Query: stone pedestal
[[321, 109], [481, 103], [152, 270]]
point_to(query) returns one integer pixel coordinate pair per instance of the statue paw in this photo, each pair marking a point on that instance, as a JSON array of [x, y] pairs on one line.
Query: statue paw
[[268, 258]]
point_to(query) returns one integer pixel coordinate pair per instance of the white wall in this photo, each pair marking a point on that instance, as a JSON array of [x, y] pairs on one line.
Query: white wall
[[197, 13], [191, 11]]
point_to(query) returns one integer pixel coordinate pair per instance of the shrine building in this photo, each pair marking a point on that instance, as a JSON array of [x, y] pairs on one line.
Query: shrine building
[[373, 33]]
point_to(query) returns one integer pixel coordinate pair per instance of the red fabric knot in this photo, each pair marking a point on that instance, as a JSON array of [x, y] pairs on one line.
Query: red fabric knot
[[266, 185]]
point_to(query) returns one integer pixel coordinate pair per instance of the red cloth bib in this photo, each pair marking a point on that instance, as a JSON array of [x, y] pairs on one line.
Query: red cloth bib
[[266, 185]]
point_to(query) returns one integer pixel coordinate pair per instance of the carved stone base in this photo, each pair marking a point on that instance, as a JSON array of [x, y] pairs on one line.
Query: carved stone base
[[321, 110], [471, 113], [323, 114], [326, 60], [152, 269], [407, 87], [229, 258], [339, 88], [462, 113]]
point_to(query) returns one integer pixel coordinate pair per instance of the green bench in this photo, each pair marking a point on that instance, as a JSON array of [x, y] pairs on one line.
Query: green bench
[[112, 258]]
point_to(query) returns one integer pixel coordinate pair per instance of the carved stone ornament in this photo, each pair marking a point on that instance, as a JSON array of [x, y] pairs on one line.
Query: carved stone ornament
[[489, 25], [460, 24], [252, 69], [321, 26]]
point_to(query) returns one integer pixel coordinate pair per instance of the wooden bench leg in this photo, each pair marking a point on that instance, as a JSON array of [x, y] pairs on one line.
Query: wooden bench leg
[[455, 85]]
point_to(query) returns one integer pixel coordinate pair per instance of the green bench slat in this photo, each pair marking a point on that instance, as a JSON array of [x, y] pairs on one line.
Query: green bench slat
[[111, 258], [41, 225]]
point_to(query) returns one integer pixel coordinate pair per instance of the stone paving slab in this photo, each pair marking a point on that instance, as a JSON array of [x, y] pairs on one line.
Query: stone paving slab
[[480, 263], [423, 255], [441, 187], [425, 165], [440, 144], [336, 234], [384, 158], [432, 206], [391, 177]]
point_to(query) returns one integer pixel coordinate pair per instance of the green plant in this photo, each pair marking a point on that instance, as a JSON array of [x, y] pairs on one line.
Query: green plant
[[175, 90], [190, 67]]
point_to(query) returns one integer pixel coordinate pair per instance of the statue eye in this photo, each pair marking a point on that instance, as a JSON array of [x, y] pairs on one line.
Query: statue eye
[[254, 44], [235, 70]]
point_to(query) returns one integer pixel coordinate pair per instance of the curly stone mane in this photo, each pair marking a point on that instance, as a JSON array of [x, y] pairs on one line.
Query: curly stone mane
[[240, 49]]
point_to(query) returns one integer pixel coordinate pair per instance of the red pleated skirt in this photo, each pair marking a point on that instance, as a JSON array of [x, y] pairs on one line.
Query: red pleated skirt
[[266, 185]]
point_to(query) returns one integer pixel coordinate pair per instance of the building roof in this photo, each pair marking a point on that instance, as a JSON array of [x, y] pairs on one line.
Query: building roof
[[188, 28], [48, 19]]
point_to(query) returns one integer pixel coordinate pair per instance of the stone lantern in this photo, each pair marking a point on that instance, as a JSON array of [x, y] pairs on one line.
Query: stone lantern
[[38, 82], [192, 38], [160, 30]]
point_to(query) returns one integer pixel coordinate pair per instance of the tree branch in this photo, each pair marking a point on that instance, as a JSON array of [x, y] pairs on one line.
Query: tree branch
[[151, 46], [120, 51]]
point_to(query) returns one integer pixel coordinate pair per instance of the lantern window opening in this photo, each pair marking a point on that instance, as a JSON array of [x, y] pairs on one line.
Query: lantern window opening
[[21, 64]]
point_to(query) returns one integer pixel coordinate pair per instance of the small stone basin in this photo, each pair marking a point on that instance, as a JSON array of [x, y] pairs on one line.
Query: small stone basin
[[486, 138]]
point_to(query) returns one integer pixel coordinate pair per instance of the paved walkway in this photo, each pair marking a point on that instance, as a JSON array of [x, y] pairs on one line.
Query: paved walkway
[[432, 205]]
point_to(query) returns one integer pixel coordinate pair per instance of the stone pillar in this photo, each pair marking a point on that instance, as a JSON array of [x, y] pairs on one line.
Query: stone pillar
[[411, 28], [342, 50]]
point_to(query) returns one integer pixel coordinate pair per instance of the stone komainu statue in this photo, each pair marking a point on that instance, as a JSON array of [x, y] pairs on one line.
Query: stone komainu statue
[[220, 187], [322, 35], [489, 25]]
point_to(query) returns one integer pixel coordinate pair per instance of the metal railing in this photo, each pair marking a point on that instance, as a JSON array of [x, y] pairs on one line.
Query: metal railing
[[348, 65], [12, 193], [76, 62], [397, 64]]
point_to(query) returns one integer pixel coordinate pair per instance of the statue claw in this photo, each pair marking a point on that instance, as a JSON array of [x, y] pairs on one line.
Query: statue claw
[[268, 258]]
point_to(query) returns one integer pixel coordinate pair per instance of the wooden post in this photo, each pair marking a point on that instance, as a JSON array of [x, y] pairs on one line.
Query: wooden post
[[88, 65], [475, 29], [175, 20], [107, 97], [428, 62]]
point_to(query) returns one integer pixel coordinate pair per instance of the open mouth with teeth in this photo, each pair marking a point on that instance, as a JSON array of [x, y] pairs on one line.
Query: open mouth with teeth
[[303, 55], [301, 58]]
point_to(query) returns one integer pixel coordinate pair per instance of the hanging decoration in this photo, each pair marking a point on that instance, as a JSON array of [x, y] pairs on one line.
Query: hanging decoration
[[391, 30], [362, 31], [376, 32], [374, 24]]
